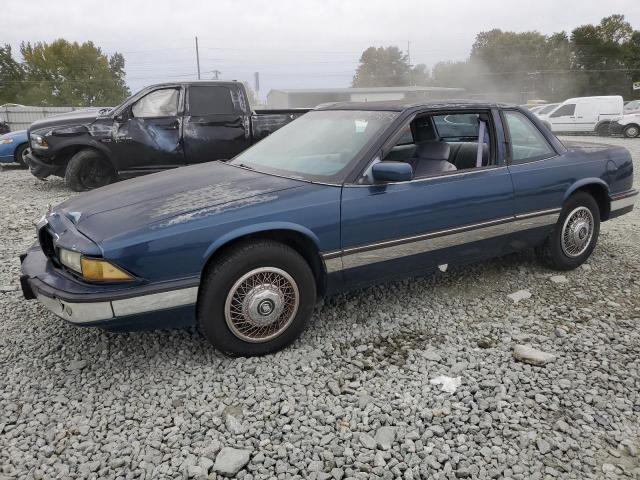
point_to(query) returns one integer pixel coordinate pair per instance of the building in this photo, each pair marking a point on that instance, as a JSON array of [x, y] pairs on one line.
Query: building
[[310, 97]]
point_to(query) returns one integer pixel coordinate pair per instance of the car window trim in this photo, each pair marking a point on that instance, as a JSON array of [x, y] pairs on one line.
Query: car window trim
[[187, 103], [393, 137], [507, 137], [179, 106]]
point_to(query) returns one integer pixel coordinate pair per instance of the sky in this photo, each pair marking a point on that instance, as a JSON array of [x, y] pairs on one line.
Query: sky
[[293, 44]]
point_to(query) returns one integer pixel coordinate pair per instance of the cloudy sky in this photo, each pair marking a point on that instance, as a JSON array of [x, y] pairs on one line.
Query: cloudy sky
[[292, 43]]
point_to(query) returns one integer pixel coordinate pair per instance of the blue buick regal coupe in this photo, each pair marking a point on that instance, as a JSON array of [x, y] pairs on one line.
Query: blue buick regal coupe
[[14, 147], [346, 195]]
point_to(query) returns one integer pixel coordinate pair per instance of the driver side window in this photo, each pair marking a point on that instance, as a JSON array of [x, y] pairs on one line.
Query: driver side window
[[527, 143], [161, 103]]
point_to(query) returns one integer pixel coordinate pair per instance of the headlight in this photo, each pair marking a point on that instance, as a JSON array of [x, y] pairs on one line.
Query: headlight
[[38, 141], [6, 141], [71, 259], [93, 269]]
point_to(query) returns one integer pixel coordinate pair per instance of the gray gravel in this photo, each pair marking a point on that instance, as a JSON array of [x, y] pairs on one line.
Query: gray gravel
[[352, 398]]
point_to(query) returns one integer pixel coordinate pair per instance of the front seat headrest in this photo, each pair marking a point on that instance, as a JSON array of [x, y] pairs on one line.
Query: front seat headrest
[[433, 150]]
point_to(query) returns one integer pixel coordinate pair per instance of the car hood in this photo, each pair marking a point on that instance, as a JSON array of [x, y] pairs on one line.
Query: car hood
[[77, 117], [154, 200], [16, 134]]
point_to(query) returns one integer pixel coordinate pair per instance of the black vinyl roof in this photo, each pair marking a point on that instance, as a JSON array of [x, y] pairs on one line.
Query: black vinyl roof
[[401, 105]]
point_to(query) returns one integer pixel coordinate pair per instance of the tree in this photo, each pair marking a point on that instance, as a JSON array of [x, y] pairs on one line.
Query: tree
[[67, 74], [388, 67], [11, 76]]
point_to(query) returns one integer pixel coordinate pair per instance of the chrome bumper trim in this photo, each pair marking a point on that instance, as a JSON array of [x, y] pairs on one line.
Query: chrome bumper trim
[[90, 312], [624, 200], [417, 244]]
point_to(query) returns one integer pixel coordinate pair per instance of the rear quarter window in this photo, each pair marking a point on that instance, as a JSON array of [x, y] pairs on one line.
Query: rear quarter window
[[527, 142]]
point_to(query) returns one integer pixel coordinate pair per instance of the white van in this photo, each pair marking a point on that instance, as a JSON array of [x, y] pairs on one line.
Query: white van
[[585, 114]]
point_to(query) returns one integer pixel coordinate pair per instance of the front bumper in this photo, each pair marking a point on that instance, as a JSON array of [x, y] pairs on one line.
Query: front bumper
[[167, 305], [42, 169]]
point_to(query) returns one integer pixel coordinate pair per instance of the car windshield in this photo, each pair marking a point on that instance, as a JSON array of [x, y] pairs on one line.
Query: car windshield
[[547, 109], [319, 146]]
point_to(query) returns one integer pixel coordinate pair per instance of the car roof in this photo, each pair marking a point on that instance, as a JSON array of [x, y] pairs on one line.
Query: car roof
[[401, 105]]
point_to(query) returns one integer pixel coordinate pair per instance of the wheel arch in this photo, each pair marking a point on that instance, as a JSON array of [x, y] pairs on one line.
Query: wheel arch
[[300, 238], [598, 189], [18, 147], [65, 152], [600, 124]]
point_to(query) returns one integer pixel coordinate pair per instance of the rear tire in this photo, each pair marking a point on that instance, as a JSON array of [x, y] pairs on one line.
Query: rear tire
[[575, 234], [20, 154], [631, 131], [256, 299], [602, 130], [87, 170]]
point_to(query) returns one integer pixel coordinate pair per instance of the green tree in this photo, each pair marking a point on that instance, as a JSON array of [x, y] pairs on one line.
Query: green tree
[[62, 73], [603, 55], [11, 76], [388, 67]]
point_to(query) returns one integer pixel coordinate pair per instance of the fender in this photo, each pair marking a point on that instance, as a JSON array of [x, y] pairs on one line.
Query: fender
[[258, 228], [583, 182], [600, 124], [88, 142]]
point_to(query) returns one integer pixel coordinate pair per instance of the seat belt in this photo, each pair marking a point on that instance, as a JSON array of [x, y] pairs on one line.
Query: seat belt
[[481, 129]]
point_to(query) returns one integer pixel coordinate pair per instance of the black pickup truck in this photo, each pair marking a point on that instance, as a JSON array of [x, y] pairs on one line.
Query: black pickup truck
[[160, 127]]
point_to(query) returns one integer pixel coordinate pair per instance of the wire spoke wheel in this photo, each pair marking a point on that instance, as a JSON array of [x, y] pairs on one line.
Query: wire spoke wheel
[[261, 305], [577, 232]]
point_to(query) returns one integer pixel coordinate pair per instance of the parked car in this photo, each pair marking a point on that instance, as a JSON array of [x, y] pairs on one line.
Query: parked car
[[546, 110], [161, 127], [585, 114], [632, 106], [14, 147], [345, 196], [628, 125]]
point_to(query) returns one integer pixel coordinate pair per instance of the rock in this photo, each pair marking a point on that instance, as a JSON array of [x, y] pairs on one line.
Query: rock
[[486, 343], [315, 466], [385, 436], [334, 388], [519, 295], [558, 279], [231, 460], [76, 365], [8, 288], [367, 441], [528, 354], [337, 473], [232, 416], [543, 446]]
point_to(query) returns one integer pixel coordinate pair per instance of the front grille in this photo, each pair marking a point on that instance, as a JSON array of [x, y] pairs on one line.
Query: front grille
[[46, 242]]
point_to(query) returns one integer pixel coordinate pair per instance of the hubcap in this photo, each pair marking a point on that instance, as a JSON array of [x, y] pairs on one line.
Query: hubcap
[[632, 132], [261, 304], [577, 232]]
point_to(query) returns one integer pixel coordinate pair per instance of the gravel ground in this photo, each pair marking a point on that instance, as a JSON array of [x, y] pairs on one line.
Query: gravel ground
[[352, 398]]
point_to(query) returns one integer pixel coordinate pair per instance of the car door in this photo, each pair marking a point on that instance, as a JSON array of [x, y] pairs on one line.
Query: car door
[[398, 229], [540, 178], [586, 116], [147, 136], [563, 119], [215, 124]]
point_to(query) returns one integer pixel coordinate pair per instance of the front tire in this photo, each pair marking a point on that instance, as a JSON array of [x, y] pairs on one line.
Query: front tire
[[20, 154], [575, 234], [256, 299], [87, 170], [631, 131]]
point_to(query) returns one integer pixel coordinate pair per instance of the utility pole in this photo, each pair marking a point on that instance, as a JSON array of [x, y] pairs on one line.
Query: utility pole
[[216, 73], [198, 58], [409, 60]]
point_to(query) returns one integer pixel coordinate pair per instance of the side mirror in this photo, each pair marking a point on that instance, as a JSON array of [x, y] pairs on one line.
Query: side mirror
[[392, 172]]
